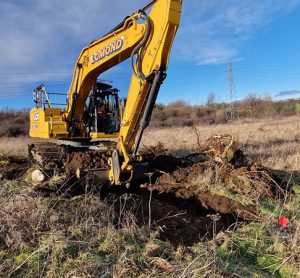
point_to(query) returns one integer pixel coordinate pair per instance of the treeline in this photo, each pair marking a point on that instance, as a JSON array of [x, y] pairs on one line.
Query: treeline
[[14, 123], [180, 113]]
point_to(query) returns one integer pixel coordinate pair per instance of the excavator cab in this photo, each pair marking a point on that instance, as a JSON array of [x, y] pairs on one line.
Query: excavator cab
[[102, 111]]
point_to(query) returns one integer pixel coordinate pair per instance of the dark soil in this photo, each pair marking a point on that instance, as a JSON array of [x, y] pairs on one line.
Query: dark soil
[[13, 167], [182, 222], [87, 160], [54, 158], [236, 187]]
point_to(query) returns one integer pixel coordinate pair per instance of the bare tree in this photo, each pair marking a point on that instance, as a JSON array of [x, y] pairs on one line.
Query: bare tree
[[211, 99], [251, 99]]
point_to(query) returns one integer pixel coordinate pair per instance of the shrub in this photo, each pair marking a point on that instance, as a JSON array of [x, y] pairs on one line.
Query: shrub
[[14, 123]]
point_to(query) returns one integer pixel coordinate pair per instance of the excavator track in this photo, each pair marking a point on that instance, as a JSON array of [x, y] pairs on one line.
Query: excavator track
[[48, 156], [67, 160]]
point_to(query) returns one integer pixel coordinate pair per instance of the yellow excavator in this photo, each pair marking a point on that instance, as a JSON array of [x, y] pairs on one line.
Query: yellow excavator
[[97, 130]]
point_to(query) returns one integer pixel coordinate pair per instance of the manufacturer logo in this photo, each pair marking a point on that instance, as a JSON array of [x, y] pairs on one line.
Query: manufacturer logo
[[108, 50], [36, 117]]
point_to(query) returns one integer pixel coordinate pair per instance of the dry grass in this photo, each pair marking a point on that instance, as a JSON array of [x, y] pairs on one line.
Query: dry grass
[[14, 146], [59, 236], [275, 142], [79, 236]]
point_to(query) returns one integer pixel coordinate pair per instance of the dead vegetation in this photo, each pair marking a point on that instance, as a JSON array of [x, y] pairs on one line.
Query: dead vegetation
[[67, 236], [273, 142], [180, 113], [14, 123], [213, 212]]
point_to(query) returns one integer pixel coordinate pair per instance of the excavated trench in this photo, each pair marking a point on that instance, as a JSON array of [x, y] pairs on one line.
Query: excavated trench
[[180, 221]]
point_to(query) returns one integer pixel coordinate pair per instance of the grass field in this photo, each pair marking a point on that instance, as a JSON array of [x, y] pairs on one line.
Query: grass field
[[275, 142], [63, 235]]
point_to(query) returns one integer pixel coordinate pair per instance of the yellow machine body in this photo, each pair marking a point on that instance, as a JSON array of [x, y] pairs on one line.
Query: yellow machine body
[[47, 123], [151, 43]]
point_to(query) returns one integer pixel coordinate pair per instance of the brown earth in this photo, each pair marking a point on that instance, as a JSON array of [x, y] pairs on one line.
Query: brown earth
[[60, 159], [13, 167], [87, 161], [182, 222], [181, 183], [226, 187], [183, 191]]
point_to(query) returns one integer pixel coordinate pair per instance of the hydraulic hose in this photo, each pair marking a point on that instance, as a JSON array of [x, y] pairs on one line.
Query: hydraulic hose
[[154, 89], [138, 50]]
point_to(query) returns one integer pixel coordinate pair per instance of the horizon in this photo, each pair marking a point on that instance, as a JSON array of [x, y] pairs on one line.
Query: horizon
[[186, 103]]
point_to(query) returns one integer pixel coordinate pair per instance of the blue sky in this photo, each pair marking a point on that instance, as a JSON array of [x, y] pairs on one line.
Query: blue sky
[[41, 39]]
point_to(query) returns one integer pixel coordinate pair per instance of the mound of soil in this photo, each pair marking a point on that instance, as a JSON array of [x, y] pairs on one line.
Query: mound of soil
[[86, 161], [58, 159], [228, 186]]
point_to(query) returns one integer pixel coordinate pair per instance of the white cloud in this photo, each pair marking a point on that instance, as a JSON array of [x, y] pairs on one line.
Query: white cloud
[[41, 39], [212, 31]]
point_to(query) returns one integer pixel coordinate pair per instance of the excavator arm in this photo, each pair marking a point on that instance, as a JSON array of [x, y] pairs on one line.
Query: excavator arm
[[151, 42], [98, 57]]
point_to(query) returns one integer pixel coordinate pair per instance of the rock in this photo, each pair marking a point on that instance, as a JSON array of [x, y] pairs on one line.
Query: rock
[[37, 177]]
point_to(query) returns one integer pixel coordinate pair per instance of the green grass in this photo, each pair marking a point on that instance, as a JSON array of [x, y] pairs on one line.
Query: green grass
[[56, 236], [263, 249]]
